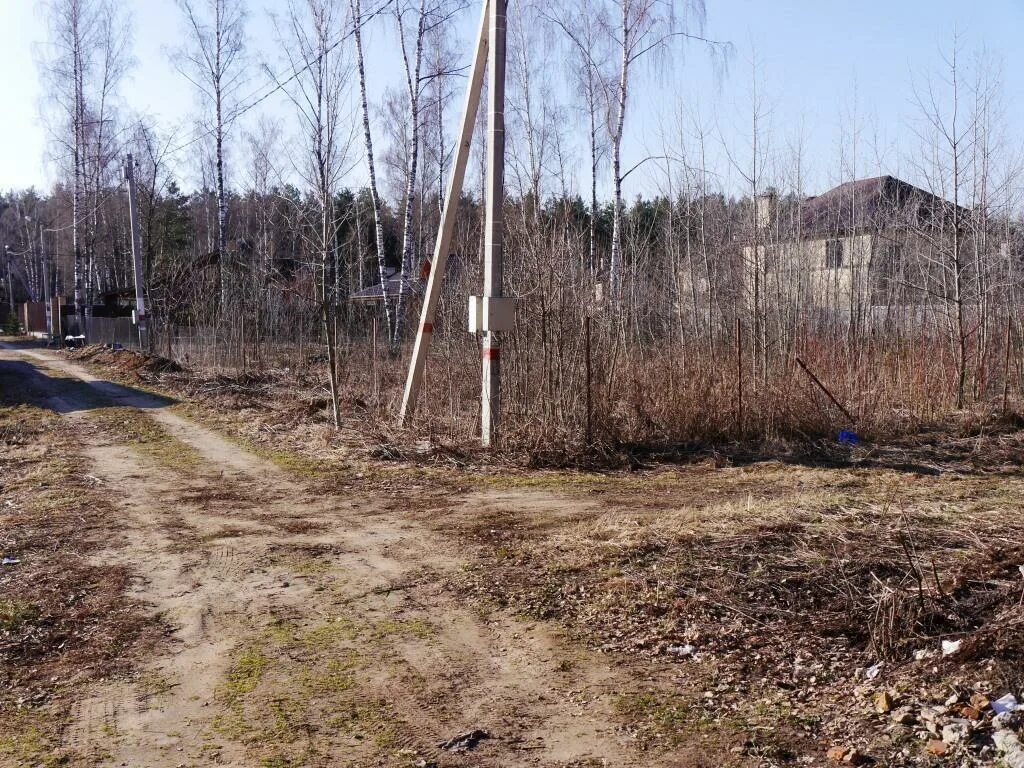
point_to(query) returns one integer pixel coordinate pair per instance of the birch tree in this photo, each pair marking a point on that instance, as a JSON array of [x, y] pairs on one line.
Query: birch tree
[[317, 93], [358, 20], [212, 60], [641, 29], [412, 67], [74, 33], [101, 167]]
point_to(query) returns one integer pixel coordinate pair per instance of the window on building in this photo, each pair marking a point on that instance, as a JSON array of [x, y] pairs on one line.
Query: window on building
[[833, 254]]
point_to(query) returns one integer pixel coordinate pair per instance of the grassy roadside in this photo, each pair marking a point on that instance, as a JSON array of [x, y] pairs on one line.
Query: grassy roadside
[[64, 616]]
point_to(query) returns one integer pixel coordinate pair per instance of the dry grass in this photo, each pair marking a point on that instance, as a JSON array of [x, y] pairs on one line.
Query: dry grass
[[645, 407], [786, 582], [64, 617]]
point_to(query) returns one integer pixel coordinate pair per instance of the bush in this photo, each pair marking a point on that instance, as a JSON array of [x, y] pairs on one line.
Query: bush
[[11, 325]]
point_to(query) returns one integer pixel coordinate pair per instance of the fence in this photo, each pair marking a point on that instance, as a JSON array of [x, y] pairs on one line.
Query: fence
[[112, 330]]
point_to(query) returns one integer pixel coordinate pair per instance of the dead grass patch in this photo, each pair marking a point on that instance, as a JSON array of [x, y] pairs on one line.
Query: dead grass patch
[[795, 589], [64, 618]]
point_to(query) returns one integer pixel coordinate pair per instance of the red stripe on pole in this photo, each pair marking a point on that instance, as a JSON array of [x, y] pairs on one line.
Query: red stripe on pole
[[492, 353], [428, 327]]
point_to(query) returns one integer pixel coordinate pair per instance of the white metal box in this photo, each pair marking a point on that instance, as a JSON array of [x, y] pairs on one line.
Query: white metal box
[[491, 313]]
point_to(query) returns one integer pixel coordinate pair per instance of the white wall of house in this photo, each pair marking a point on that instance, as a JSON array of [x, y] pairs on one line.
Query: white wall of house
[[830, 273]]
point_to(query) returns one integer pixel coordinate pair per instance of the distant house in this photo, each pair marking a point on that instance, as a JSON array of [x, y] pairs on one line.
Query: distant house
[[867, 243], [393, 286], [409, 287]]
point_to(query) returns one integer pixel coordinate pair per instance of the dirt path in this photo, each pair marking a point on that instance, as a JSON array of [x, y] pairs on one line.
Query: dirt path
[[305, 630]]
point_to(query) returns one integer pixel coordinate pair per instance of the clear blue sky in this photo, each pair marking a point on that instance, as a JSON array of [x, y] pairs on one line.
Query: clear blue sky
[[817, 62]]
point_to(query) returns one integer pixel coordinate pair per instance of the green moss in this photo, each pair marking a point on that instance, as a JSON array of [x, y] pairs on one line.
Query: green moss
[[667, 717], [334, 677], [417, 628], [276, 762], [244, 675], [25, 739], [311, 566], [330, 632], [293, 462], [281, 632], [148, 437], [15, 613]]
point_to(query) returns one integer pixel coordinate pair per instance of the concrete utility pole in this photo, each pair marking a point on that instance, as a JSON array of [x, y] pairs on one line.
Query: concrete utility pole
[[133, 218], [492, 312], [10, 282], [494, 225], [46, 284]]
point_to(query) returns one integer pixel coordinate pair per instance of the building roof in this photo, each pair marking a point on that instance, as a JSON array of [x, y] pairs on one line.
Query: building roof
[[882, 201], [393, 284]]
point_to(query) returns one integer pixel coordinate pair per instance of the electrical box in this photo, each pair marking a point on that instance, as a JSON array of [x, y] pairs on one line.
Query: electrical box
[[491, 313]]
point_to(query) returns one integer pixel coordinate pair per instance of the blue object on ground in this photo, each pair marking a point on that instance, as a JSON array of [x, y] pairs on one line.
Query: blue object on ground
[[847, 437]]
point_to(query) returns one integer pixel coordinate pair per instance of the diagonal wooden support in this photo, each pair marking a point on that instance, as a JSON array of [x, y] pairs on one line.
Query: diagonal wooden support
[[442, 246]]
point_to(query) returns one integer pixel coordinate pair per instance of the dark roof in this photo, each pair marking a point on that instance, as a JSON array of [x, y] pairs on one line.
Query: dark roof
[[393, 283], [865, 204], [413, 286]]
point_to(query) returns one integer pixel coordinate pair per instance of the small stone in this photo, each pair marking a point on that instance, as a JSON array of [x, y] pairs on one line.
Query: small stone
[[1010, 747], [938, 747], [956, 731], [853, 757], [883, 703], [903, 716], [837, 753], [1006, 721]]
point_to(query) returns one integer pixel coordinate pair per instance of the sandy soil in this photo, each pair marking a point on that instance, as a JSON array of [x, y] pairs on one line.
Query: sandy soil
[[304, 628]]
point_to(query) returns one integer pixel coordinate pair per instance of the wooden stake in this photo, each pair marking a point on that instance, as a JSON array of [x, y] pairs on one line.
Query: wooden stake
[[590, 409], [373, 354], [739, 376], [1006, 364], [824, 389], [448, 215]]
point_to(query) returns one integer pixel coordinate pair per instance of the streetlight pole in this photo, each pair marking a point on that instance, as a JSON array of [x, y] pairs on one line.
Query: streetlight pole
[[45, 267]]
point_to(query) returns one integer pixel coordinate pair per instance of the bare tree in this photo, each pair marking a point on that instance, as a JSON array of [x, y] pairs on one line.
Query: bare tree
[[641, 28], [317, 93], [358, 20], [412, 66], [78, 31], [588, 44], [948, 134], [101, 159], [212, 60]]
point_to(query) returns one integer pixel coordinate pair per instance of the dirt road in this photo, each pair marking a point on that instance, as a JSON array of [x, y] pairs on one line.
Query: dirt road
[[303, 629]]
